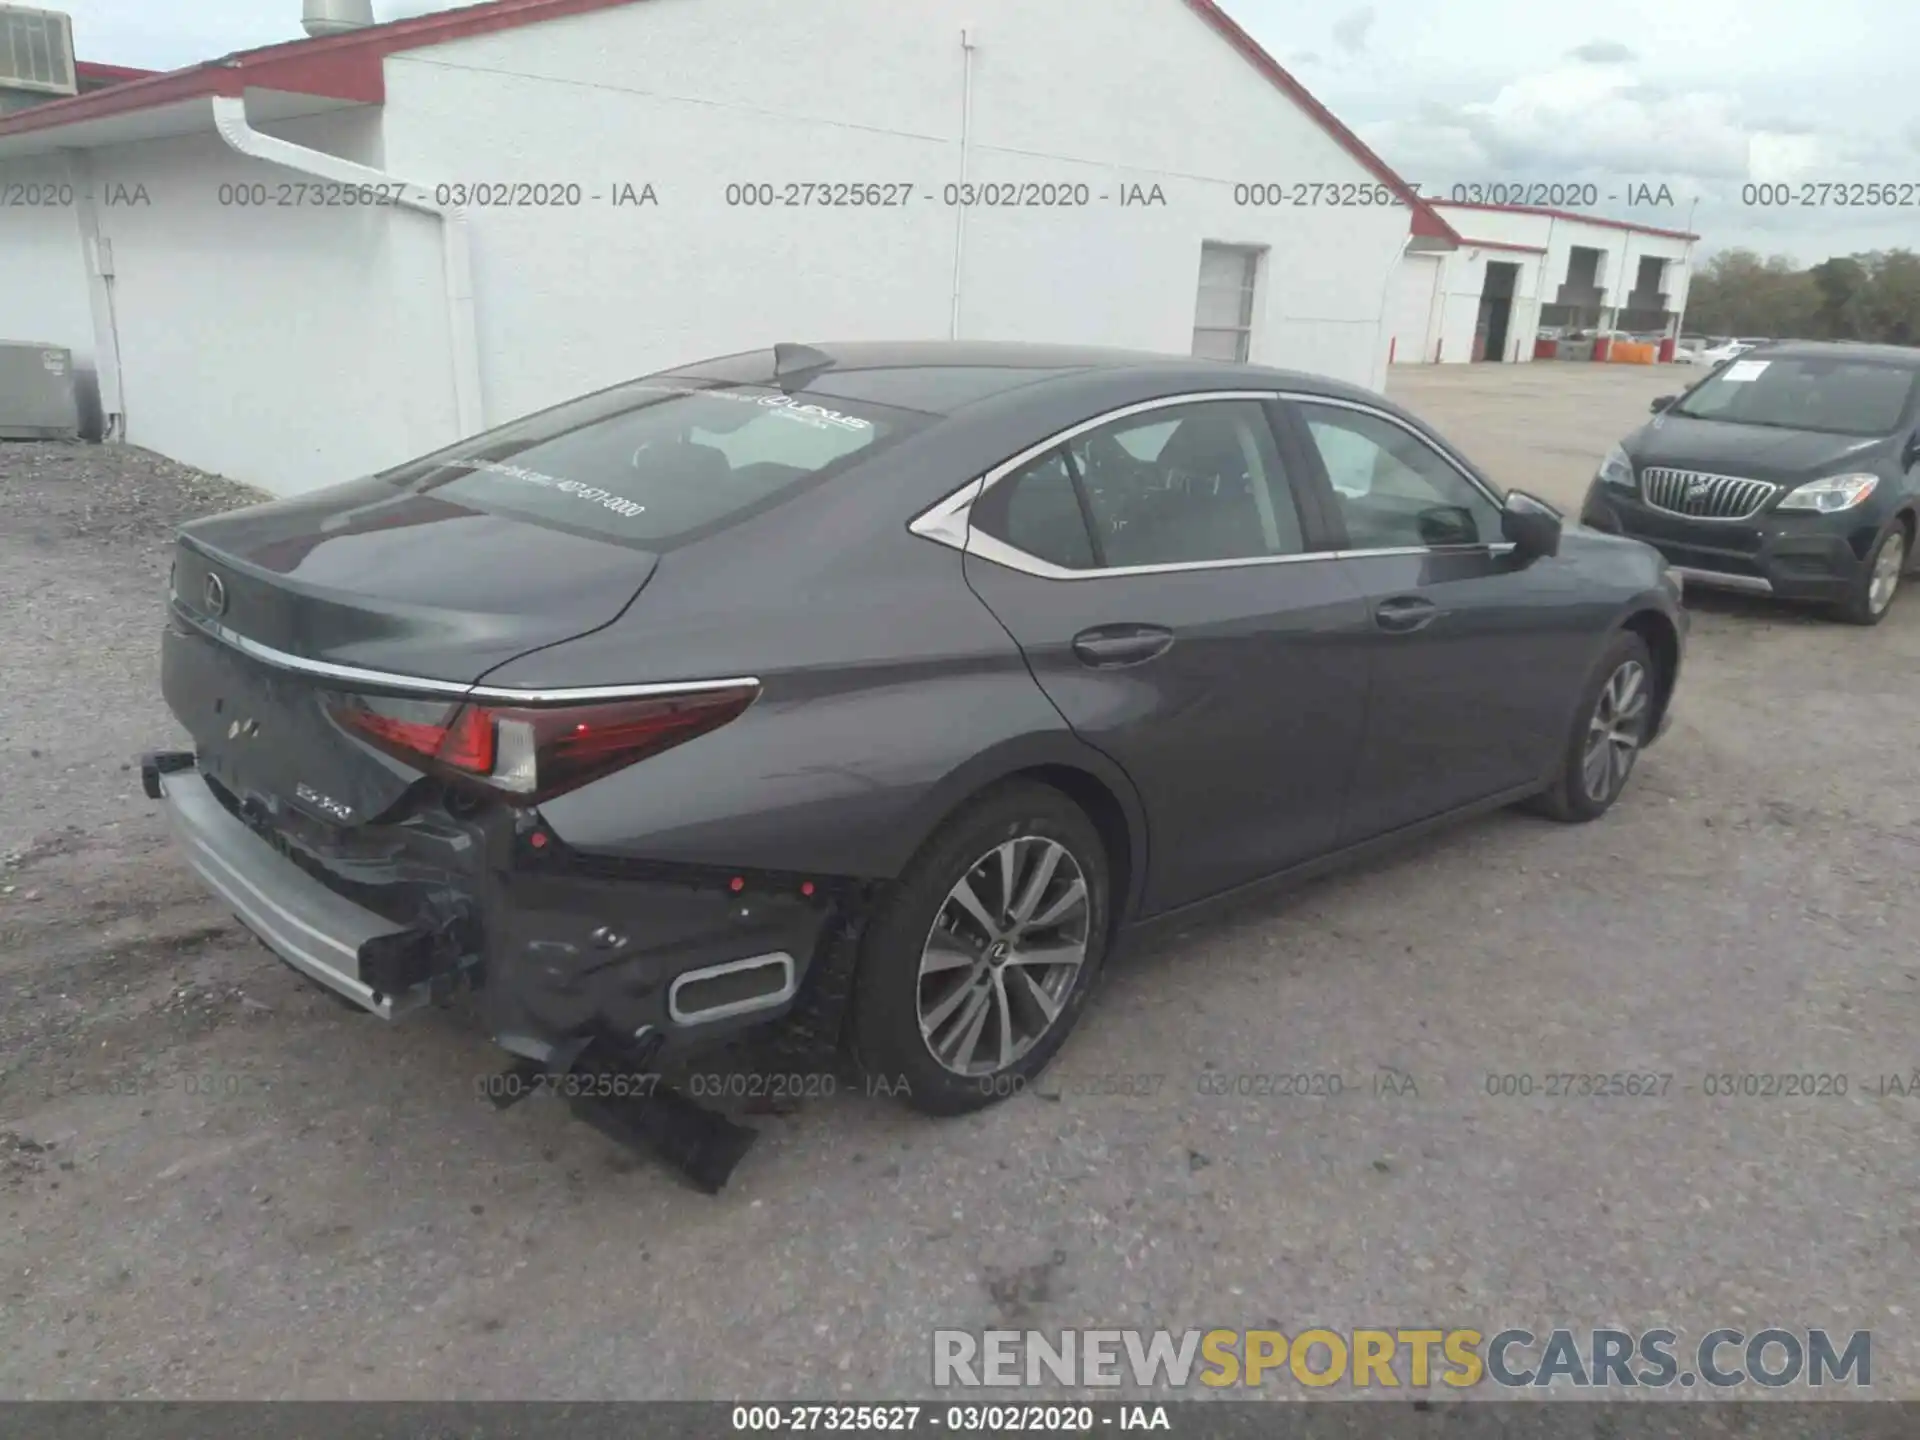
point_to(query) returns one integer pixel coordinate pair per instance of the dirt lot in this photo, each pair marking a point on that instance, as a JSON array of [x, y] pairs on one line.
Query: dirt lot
[[215, 1182]]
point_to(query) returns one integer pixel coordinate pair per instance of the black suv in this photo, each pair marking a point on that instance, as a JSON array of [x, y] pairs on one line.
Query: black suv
[[1792, 470]]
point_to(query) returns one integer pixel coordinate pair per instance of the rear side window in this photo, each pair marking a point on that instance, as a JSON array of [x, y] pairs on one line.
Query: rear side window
[[658, 462], [1036, 510]]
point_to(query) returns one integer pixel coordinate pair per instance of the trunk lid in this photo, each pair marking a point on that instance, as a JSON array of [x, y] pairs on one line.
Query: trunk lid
[[283, 611]]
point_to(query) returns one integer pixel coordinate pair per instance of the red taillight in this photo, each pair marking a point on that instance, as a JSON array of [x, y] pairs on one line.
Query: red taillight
[[465, 741], [531, 753]]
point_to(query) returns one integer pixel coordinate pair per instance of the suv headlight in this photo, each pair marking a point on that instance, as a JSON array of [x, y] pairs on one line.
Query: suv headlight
[[1616, 469], [1835, 492]]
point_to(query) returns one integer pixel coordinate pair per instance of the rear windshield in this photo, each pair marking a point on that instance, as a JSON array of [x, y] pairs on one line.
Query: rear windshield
[[1832, 395], [658, 462]]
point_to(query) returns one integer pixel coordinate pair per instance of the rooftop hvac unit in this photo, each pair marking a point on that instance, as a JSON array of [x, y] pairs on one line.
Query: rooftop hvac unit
[[36, 51], [37, 396], [320, 18]]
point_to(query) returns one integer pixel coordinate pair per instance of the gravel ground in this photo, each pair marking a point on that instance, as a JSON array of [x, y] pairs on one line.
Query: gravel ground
[[215, 1182]]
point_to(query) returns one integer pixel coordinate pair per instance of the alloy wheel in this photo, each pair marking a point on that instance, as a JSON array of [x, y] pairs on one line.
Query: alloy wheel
[[1002, 956], [1887, 566], [1615, 732]]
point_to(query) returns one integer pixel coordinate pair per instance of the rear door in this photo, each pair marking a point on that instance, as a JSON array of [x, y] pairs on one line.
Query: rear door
[[1190, 621], [1474, 658]]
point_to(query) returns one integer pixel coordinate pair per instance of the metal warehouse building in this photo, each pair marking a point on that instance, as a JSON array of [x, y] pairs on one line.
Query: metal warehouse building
[[592, 189], [1519, 270]]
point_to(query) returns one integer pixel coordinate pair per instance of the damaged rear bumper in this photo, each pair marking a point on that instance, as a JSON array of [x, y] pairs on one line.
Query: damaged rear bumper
[[563, 950], [323, 935]]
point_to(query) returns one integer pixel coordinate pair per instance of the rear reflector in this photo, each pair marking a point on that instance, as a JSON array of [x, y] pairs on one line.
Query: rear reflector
[[527, 754]]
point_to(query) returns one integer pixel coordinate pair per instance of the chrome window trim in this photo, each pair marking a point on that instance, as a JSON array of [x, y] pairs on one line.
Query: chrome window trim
[[946, 522], [452, 689]]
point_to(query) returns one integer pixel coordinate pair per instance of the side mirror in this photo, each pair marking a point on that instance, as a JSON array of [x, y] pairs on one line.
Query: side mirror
[[1532, 525], [1661, 402]]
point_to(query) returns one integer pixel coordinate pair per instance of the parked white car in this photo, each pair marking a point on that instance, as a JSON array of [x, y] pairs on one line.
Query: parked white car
[[1724, 351]]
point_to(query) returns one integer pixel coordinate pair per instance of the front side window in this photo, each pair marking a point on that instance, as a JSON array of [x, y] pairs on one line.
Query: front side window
[[1830, 395], [1393, 489], [1183, 484], [659, 461]]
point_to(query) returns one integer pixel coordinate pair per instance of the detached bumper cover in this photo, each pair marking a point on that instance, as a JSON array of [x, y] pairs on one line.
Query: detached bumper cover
[[1801, 557], [562, 949], [320, 933]]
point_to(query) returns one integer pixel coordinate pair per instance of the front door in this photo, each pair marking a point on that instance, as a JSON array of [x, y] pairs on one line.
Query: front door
[[1157, 573], [1474, 656]]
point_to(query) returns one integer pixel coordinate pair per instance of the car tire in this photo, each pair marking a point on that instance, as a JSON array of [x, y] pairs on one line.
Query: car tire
[[934, 975], [1614, 689], [1874, 588]]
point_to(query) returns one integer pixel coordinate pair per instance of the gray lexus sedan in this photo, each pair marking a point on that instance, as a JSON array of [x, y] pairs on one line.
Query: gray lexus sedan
[[873, 691], [1791, 471]]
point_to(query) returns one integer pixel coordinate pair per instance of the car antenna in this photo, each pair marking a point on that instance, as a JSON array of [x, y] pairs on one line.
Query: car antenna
[[795, 365]]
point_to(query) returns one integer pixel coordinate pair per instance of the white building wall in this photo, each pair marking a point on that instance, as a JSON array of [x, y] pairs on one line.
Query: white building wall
[[296, 346], [1506, 226], [43, 276], [1413, 317], [1621, 249], [1457, 279], [287, 345], [1679, 281], [691, 95]]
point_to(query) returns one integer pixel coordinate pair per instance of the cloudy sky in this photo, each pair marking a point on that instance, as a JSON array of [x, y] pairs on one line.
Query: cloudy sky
[[1700, 96]]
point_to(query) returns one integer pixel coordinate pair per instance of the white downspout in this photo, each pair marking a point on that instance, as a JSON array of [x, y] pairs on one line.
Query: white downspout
[[230, 119], [966, 150], [97, 254], [1386, 298]]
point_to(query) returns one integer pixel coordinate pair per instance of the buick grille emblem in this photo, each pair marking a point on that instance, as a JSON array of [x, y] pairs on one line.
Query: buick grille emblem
[[215, 595], [1698, 489]]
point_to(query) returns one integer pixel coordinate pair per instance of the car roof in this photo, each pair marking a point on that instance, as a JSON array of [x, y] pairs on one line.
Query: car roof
[[1904, 355], [947, 377]]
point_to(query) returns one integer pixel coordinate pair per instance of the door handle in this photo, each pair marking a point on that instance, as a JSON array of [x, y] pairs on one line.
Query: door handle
[[1107, 646], [1404, 614]]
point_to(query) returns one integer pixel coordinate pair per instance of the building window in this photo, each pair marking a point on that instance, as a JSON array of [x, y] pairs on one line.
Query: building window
[[1223, 318]]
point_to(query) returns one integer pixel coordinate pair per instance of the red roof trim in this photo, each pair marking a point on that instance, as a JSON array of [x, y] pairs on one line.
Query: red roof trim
[[1567, 215], [341, 67], [1467, 244], [1427, 221], [110, 74]]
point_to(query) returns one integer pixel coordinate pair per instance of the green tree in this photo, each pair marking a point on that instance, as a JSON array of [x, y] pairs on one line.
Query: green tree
[[1893, 301], [1873, 297], [1843, 283]]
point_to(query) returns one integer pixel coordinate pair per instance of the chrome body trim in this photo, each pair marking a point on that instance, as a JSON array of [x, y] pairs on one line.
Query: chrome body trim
[[1720, 580], [313, 929], [778, 958], [355, 675], [1702, 495]]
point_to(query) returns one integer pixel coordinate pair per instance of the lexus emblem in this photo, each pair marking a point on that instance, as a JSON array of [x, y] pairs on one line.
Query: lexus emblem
[[215, 595]]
